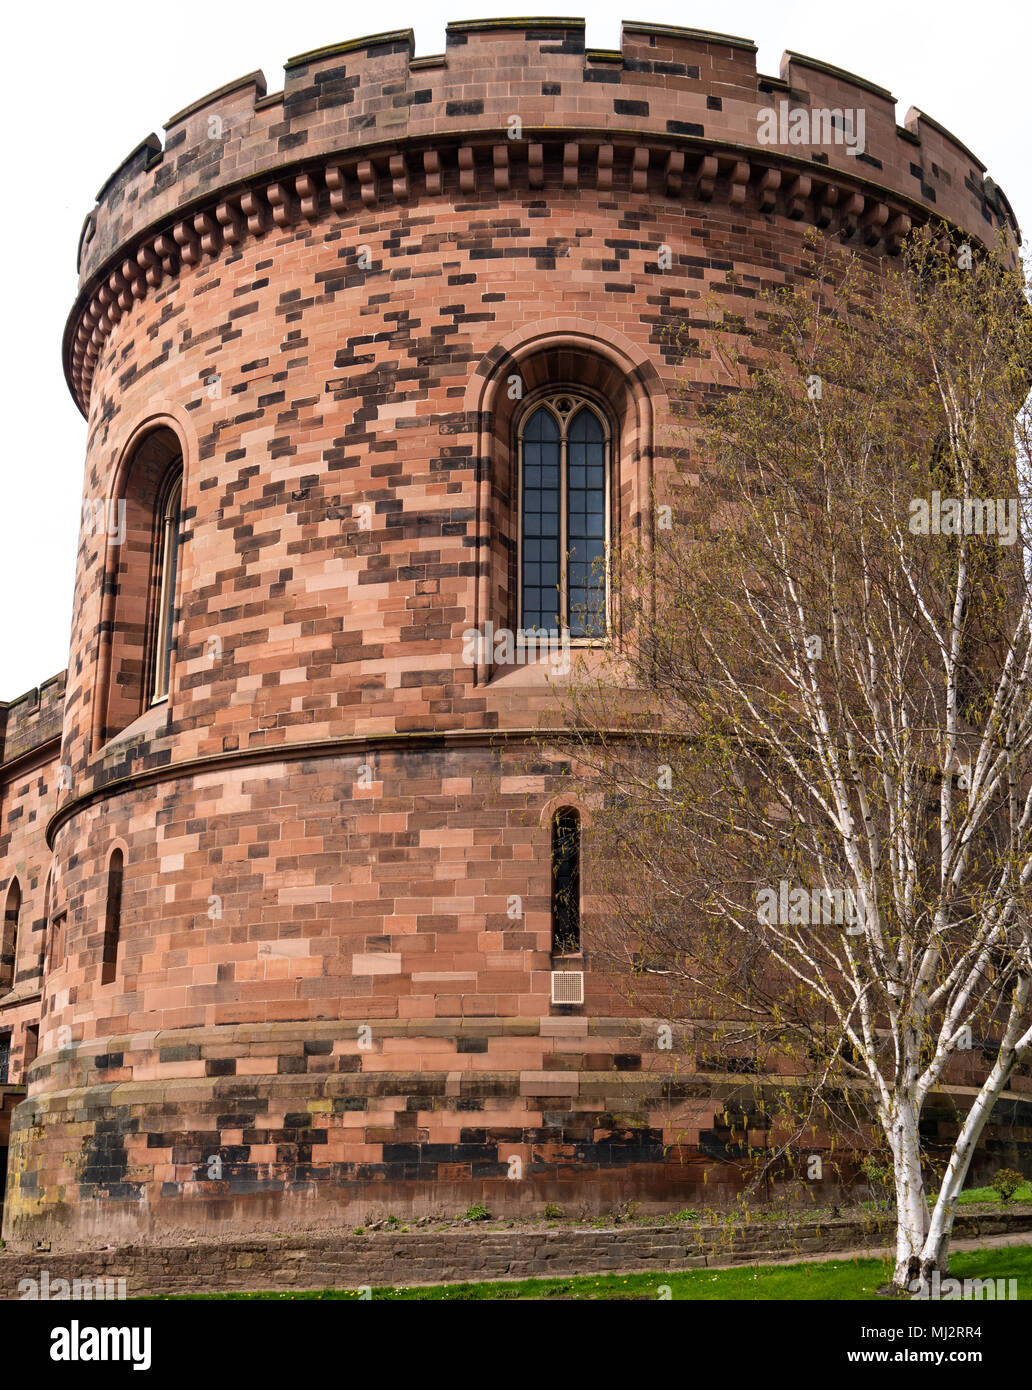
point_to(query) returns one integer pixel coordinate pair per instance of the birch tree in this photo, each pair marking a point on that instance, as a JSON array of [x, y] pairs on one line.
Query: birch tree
[[812, 804]]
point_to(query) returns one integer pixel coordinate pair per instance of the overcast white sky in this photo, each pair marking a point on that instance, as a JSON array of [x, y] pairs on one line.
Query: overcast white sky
[[84, 84]]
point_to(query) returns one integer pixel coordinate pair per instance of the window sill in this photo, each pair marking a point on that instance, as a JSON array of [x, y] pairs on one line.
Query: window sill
[[149, 722]]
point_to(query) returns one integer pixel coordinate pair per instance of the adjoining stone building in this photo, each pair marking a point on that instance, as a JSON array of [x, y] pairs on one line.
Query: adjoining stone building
[[290, 931]]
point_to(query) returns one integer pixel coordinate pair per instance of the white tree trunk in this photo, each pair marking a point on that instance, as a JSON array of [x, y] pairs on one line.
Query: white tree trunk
[[912, 1218], [934, 1254]]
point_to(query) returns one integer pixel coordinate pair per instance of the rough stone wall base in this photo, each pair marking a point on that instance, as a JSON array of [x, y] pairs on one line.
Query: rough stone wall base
[[348, 1262]]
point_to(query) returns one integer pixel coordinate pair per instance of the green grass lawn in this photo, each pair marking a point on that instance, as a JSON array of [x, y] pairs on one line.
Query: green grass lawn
[[832, 1280], [990, 1195]]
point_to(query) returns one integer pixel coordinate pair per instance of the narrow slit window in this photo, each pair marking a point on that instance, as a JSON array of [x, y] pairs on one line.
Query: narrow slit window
[[46, 956], [57, 940], [9, 938], [168, 559], [113, 918], [566, 882]]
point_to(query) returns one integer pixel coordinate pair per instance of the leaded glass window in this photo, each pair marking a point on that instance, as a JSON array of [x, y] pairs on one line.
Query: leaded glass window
[[564, 517]]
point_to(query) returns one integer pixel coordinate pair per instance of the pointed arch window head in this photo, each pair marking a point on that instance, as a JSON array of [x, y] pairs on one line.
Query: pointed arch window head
[[167, 562], [565, 467], [566, 881]]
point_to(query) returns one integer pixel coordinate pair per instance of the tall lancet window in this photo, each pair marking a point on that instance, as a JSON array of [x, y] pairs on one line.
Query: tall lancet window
[[564, 517], [112, 918], [9, 937], [566, 881], [167, 560]]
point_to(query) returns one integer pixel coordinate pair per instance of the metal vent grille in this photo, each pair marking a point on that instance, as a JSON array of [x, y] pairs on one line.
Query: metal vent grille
[[567, 986]]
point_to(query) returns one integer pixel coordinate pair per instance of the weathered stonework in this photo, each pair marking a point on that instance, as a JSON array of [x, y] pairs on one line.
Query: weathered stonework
[[318, 297], [396, 1258], [30, 735]]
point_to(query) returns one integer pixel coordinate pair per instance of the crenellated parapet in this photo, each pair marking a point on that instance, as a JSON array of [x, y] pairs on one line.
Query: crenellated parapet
[[517, 106], [33, 720]]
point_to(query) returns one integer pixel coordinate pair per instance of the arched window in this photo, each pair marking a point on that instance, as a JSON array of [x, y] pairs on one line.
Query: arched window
[[112, 918], [137, 621], [9, 937], [55, 923], [565, 881], [167, 559], [57, 940], [564, 447]]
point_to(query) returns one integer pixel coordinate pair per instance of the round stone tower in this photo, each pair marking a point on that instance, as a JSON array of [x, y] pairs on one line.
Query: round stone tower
[[319, 940]]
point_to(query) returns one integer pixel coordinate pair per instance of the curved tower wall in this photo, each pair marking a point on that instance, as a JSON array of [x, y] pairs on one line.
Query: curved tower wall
[[324, 1004]]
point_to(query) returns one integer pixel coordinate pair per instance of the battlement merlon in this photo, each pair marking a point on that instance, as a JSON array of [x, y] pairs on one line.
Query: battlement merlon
[[32, 720], [663, 81]]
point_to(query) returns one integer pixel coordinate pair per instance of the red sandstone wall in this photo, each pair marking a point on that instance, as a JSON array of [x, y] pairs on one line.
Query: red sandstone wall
[[340, 387], [29, 730], [277, 896]]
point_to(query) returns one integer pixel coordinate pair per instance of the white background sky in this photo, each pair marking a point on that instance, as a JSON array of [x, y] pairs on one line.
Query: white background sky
[[85, 83]]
